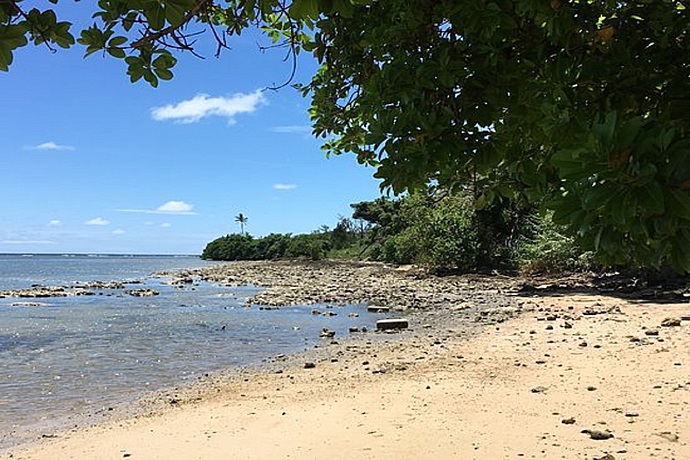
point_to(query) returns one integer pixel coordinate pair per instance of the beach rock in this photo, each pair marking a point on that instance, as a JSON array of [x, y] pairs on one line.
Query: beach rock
[[309, 365], [598, 435], [670, 322], [392, 323], [378, 309], [605, 457], [568, 421], [667, 435]]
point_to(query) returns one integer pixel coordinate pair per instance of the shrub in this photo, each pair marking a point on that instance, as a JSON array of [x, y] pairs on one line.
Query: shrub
[[550, 249]]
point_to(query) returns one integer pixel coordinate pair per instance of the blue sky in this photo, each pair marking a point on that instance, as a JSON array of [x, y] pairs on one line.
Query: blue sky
[[94, 163]]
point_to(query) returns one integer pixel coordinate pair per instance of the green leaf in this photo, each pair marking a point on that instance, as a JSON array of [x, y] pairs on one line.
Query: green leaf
[[303, 9], [151, 78], [118, 53], [679, 203], [164, 74], [155, 15], [651, 198], [117, 41]]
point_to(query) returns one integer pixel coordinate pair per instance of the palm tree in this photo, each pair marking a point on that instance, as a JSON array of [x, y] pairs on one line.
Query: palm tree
[[241, 219]]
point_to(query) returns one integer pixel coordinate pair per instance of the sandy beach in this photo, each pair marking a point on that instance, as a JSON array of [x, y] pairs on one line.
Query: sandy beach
[[493, 374]]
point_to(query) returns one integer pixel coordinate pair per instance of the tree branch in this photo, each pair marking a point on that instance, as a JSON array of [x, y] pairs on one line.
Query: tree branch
[[170, 30]]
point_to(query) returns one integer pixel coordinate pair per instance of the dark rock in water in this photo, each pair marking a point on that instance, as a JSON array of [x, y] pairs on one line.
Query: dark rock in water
[[353, 329], [378, 309], [598, 435], [398, 323], [28, 304], [142, 292], [327, 333]]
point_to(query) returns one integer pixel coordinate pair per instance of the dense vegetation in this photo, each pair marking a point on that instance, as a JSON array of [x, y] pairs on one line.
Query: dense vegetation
[[440, 230], [579, 107]]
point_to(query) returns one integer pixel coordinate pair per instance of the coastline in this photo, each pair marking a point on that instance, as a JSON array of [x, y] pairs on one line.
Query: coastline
[[483, 375]]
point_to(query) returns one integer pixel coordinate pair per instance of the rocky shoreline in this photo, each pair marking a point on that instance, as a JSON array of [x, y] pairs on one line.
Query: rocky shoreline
[[349, 282], [73, 290]]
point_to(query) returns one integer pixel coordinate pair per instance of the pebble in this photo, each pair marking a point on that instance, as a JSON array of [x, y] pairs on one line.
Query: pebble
[[667, 435], [598, 435], [670, 322]]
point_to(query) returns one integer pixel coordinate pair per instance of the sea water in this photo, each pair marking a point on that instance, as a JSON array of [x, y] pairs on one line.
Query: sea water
[[75, 355]]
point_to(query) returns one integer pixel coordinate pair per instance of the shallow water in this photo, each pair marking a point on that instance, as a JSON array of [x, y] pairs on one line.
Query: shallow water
[[80, 354]]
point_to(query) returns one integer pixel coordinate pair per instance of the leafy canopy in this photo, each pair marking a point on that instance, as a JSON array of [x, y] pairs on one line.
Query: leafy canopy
[[579, 105]]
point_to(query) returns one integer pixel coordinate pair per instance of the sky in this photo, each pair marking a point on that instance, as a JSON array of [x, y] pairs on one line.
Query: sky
[[92, 163]]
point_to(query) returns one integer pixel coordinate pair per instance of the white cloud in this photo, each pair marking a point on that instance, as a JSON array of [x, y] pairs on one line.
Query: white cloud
[[203, 105], [166, 225], [292, 129], [26, 242], [119, 231], [176, 207], [97, 221], [284, 186], [51, 146], [171, 207], [54, 223]]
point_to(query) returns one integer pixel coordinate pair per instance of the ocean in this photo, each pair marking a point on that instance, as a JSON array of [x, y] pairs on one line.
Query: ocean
[[80, 355]]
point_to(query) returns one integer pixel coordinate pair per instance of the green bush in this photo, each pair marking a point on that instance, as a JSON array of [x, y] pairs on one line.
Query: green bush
[[439, 234], [230, 247], [272, 246], [551, 249], [312, 246]]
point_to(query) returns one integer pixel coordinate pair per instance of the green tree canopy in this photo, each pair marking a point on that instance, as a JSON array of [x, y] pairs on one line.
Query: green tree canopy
[[579, 105]]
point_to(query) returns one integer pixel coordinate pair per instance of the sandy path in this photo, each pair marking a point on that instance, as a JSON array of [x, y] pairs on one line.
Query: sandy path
[[436, 394]]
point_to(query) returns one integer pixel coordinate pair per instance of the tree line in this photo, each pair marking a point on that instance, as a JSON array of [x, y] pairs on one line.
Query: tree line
[[440, 230]]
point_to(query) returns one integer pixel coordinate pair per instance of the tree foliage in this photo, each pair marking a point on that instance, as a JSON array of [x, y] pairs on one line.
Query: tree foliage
[[580, 106], [274, 246]]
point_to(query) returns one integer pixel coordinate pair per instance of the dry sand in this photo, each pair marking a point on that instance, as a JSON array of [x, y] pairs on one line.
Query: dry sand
[[524, 388]]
